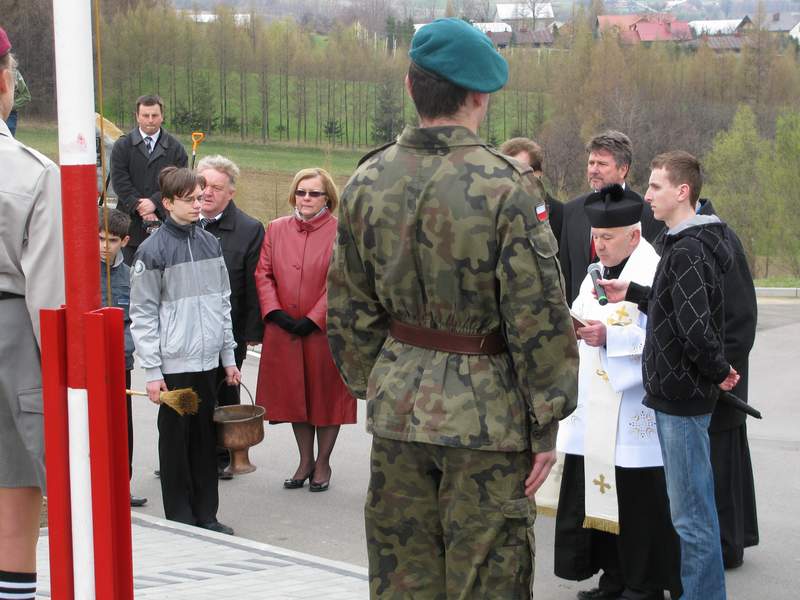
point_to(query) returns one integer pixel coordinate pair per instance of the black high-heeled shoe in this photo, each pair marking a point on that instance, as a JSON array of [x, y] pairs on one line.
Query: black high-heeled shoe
[[295, 484], [319, 486]]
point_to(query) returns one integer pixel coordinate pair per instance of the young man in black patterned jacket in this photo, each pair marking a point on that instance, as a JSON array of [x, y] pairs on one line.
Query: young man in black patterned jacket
[[684, 367]]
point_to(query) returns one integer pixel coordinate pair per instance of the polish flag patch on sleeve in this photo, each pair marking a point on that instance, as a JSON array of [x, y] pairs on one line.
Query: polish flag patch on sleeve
[[541, 212]]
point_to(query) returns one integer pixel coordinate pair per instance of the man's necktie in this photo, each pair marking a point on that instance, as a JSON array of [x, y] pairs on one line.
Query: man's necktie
[[205, 222], [149, 143]]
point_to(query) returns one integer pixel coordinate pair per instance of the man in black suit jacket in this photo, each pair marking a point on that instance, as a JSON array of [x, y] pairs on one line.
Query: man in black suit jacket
[[240, 236], [610, 154], [136, 161], [530, 153]]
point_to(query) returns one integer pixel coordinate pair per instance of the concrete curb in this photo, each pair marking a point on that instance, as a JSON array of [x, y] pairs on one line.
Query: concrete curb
[[777, 292]]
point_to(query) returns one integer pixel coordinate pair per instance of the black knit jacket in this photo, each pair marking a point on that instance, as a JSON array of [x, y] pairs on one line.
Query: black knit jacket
[[683, 360]]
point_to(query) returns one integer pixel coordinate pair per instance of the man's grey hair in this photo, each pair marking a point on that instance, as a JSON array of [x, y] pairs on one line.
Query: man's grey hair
[[614, 142], [221, 164]]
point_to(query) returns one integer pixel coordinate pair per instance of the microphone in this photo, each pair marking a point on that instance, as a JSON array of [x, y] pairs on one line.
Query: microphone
[[594, 271]]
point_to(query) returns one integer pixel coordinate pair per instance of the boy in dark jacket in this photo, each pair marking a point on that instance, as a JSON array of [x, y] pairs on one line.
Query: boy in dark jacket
[[113, 269], [684, 366]]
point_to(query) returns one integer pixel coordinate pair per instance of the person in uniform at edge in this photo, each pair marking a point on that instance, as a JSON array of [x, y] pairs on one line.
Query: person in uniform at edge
[[530, 153], [31, 278], [613, 510], [610, 155], [446, 313]]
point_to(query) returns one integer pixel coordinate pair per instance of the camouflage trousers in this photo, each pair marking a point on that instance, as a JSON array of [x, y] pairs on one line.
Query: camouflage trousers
[[448, 523]]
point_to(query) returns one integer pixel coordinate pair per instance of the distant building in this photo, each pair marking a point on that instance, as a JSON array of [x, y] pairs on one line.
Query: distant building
[[721, 43], [648, 28], [781, 23], [497, 27], [210, 17], [520, 16], [720, 26]]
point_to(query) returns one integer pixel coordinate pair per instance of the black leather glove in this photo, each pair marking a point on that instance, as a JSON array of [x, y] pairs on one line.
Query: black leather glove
[[282, 320], [304, 327]]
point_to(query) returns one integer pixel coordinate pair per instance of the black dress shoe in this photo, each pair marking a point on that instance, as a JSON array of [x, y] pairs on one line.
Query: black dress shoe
[[599, 594], [294, 484], [138, 501], [224, 474], [216, 526]]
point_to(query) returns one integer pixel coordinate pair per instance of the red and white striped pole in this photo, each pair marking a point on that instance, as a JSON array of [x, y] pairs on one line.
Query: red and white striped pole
[[93, 536], [72, 25]]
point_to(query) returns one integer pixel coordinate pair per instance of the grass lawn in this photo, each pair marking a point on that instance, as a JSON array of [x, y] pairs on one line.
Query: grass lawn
[[270, 157], [267, 169], [777, 282]]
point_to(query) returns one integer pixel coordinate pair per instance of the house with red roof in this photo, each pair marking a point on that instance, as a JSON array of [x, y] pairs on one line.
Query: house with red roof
[[638, 29]]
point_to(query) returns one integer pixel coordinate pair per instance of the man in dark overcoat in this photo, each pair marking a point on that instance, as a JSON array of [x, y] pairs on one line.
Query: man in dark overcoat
[[136, 161], [610, 155], [241, 237]]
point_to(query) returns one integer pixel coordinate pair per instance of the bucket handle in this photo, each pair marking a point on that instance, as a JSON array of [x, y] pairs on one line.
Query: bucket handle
[[241, 383]]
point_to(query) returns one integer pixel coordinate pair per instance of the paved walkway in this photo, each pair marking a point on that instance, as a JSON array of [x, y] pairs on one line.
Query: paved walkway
[[175, 561]]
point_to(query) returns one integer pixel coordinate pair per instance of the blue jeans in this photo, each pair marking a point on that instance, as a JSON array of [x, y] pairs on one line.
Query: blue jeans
[[690, 486]]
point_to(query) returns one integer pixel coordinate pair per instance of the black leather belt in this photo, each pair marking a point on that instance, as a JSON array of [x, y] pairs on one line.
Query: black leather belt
[[9, 295]]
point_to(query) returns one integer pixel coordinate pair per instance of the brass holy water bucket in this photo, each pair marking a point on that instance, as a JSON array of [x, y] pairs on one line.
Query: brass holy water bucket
[[239, 427]]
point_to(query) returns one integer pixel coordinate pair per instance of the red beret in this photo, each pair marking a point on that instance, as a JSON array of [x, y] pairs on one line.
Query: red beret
[[5, 44]]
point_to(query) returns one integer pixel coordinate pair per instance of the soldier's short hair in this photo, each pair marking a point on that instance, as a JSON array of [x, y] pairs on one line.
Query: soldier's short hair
[[434, 96], [178, 182], [615, 143], [331, 193], [681, 168], [221, 164], [149, 100], [118, 222], [522, 144]]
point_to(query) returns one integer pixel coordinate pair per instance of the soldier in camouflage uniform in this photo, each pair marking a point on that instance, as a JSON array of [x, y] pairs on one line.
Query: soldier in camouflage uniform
[[446, 312]]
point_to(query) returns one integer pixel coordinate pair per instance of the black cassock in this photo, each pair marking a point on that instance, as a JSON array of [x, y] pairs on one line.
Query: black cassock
[[645, 556], [730, 454]]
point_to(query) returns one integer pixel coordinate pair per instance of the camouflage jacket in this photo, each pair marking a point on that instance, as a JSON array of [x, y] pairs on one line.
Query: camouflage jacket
[[441, 231]]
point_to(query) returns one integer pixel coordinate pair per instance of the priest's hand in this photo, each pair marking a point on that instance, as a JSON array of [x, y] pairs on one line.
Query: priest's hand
[[615, 289], [542, 463], [730, 381], [594, 334]]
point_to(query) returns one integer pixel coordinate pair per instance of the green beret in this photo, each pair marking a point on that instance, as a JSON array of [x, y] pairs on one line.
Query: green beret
[[456, 51]]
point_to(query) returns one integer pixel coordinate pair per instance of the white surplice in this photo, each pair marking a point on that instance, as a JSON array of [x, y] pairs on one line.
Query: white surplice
[[610, 425]]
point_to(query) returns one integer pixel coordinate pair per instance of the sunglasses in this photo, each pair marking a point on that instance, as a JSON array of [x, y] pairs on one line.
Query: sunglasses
[[313, 194]]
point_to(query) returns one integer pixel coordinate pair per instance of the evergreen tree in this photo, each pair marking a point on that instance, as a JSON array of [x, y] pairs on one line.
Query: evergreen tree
[[387, 121]]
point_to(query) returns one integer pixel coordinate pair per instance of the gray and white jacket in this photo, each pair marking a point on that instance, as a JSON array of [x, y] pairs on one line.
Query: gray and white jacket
[[180, 302]]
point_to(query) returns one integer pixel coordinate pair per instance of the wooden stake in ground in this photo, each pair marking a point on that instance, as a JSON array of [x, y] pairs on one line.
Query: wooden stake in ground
[[183, 401]]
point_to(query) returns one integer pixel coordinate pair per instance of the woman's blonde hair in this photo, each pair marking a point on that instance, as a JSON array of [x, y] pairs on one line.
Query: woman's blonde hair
[[331, 193]]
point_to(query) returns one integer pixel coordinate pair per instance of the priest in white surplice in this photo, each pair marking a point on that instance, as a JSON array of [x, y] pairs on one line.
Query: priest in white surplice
[[613, 510]]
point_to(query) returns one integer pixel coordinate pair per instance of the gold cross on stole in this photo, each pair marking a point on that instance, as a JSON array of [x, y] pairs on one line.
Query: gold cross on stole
[[601, 482]]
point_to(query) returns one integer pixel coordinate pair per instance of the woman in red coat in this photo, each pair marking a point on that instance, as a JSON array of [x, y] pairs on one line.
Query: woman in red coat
[[297, 380]]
